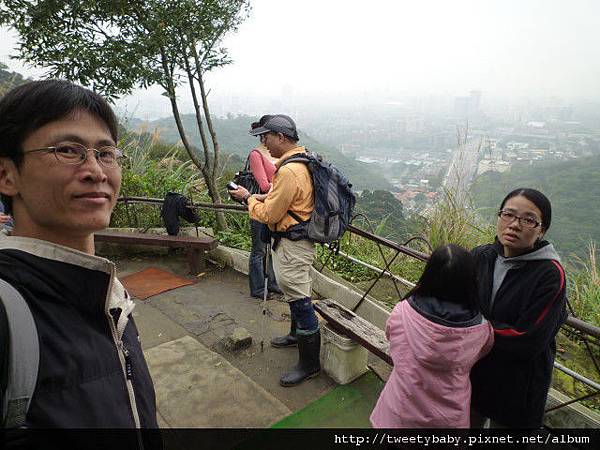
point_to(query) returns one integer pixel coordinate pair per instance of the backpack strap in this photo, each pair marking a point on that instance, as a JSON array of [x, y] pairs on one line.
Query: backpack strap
[[295, 216], [23, 357], [297, 157], [301, 158]]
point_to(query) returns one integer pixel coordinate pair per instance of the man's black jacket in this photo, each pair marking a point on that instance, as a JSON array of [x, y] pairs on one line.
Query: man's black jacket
[[88, 340]]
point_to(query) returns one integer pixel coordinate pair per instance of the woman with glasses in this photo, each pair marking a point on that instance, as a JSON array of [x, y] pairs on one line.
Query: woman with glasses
[[521, 287]]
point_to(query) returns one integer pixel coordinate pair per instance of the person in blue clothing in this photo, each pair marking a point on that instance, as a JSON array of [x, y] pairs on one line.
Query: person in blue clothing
[[5, 220], [262, 167], [521, 290]]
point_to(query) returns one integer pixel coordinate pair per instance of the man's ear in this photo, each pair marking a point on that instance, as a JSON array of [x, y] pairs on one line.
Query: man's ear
[[9, 177]]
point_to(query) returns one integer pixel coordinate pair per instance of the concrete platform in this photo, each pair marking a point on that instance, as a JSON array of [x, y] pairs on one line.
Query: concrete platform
[[199, 383], [199, 388]]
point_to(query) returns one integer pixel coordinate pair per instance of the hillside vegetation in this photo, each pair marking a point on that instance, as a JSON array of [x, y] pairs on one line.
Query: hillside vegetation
[[9, 79], [234, 139], [573, 187]]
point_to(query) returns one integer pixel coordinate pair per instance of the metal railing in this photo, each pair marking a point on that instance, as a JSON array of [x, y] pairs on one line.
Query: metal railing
[[583, 329]]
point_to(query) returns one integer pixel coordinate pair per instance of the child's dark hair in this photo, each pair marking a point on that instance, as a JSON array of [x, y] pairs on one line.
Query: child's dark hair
[[449, 275]]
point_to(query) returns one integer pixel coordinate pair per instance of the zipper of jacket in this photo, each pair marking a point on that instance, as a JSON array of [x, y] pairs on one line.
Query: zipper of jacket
[[124, 359]]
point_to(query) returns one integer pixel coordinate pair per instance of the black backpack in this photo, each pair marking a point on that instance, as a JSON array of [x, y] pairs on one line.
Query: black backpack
[[246, 178], [334, 202]]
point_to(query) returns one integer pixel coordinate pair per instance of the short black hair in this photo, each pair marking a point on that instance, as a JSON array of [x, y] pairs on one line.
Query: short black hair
[[538, 199], [294, 139], [449, 275], [32, 105]]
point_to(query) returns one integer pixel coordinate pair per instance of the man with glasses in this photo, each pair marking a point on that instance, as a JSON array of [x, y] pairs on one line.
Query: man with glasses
[[60, 174]]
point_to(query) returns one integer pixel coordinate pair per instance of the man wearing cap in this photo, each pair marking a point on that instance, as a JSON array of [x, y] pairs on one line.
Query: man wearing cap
[[289, 202]]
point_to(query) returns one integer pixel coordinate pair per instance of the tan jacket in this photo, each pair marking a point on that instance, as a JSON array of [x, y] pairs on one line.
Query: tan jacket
[[292, 191]]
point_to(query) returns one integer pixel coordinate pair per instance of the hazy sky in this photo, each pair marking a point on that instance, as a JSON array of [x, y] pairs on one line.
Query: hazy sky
[[505, 48]]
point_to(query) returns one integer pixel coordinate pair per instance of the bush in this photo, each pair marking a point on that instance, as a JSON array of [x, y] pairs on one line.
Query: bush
[[584, 286], [454, 220]]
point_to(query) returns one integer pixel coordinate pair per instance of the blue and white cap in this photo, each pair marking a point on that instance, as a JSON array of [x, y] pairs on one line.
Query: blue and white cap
[[279, 123]]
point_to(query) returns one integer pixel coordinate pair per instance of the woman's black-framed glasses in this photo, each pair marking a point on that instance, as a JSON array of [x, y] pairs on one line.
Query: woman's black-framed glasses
[[74, 153], [527, 222]]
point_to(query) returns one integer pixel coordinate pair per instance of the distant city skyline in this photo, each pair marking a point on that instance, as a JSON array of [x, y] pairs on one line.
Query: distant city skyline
[[319, 51]]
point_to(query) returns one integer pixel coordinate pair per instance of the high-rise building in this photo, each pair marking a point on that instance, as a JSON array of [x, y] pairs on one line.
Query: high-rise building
[[475, 101]]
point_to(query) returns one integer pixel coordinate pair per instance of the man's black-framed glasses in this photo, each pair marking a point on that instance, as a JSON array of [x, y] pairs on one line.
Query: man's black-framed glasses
[[509, 216], [74, 153]]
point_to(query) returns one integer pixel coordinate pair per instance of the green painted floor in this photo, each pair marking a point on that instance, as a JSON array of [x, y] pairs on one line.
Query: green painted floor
[[344, 406]]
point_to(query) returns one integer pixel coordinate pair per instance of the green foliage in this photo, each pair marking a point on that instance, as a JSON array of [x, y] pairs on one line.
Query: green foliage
[[238, 233], [454, 220], [155, 181], [119, 45], [573, 187], [145, 176], [584, 286], [572, 352], [362, 277], [386, 214]]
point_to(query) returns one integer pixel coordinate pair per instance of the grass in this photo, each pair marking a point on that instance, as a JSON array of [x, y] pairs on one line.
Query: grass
[[584, 286], [572, 353], [454, 220], [345, 406]]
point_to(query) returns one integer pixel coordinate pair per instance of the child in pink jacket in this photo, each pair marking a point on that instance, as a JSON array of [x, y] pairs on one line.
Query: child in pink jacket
[[436, 335]]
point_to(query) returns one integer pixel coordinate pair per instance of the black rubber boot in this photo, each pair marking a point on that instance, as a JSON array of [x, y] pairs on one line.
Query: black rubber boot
[[289, 340], [309, 366]]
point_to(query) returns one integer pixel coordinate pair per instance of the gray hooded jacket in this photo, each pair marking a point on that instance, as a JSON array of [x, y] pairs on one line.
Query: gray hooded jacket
[[503, 265]]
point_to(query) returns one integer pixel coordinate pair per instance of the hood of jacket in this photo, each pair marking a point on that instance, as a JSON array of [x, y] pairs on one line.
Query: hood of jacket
[[445, 312], [542, 251], [436, 346]]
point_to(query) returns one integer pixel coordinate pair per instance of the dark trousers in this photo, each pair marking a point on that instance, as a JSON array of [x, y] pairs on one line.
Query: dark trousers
[[304, 316], [256, 264]]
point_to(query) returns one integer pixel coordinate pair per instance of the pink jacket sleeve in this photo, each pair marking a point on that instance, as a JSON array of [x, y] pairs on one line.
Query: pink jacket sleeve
[[258, 170]]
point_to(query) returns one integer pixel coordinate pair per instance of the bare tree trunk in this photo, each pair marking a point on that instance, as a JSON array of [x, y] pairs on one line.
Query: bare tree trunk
[[211, 129], [170, 88], [209, 123], [210, 173], [205, 168]]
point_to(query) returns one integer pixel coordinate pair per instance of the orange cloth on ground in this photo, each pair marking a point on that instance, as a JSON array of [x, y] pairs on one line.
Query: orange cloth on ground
[[152, 281]]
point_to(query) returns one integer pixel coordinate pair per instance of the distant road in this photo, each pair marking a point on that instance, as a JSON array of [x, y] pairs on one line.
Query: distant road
[[463, 167]]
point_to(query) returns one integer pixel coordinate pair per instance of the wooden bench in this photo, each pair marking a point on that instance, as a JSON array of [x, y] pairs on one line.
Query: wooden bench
[[355, 327], [363, 332], [195, 247]]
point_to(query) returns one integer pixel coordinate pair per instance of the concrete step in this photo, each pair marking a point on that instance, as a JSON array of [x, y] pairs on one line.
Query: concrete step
[[197, 387]]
